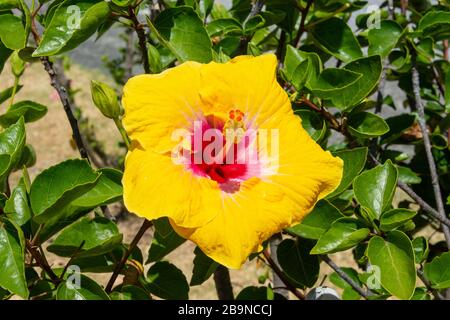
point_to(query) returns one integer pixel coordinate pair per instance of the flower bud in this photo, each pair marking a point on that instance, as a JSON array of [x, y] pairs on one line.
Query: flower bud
[[17, 64], [105, 99]]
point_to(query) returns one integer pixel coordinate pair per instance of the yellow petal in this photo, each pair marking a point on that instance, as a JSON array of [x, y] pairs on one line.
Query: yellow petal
[[154, 187], [156, 105]]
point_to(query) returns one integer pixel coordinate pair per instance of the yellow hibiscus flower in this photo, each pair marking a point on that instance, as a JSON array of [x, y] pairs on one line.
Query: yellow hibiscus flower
[[227, 205]]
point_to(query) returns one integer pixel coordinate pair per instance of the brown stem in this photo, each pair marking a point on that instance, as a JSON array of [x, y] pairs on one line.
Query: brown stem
[[282, 276], [42, 262], [222, 281], [427, 146], [144, 227], [139, 28], [301, 29]]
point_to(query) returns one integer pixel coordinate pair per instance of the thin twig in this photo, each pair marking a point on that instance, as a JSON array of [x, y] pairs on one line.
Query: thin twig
[[346, 278], [145, 226], [427, 145], [71, 259], [139, 28], [222, 281], [282, 276], [427, 284], [42, 263], [64, 97], [301, 29]]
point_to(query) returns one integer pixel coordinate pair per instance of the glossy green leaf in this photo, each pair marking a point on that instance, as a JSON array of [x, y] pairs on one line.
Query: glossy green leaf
[[406, 175], [353, 94], [259, 293], [366, 125], [318, 221], [397, 125], [88, 290], [300, 67], [12, 142], [130, 292], [336, 37], [343, 234], [165, 240], [181, 30], [297, 263], [438, 271], [50, 194], [394, 218], [354, 161], [107, 189], [383, 39], [7, 93], [167, 282], [332, 81], [9, 4], [29, 110], [374, 188], [12, 258], [421, 249], [12, 32], [223, 27], [204, 267], [4, 55], [395, 258], [17, 207], [72, 23], [86, 238], [434, 22], [348, 292], [313, 123]]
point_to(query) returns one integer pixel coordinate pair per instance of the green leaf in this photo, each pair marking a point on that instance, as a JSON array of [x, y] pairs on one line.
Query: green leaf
[[223, 26], [313, 124], [354, 161], [434, 22], [447, 91], [165, 240], [17, 207], [167, 282], [297, 263], [382, 40], [336, 37], [12, 32], [395, 258], [397, 124], [366, 125], [31, 111], [12, 258], [4, 55], [438, 271], [72, 23], [107, 189], [300, 67], [318, 221], [406, 175], [7, 93], [421, 249], [9, 4], [181, 30], [353, 94], [349, 293], [259, 293], [130, 292], [87, 238], [88, 290], [374, 188], [204, 267], [394, 218], [421, 293], [12, 142], [331, 81], [50, 194], [343, 234]]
